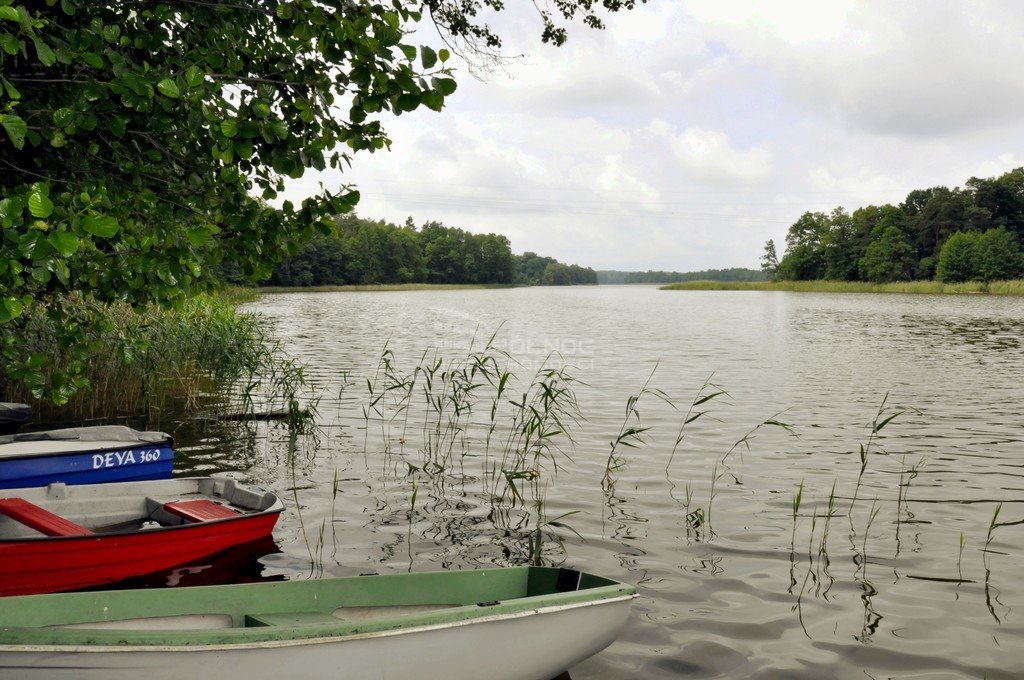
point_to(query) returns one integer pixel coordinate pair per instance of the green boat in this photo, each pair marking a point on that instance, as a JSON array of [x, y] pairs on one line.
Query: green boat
[[517, 623]]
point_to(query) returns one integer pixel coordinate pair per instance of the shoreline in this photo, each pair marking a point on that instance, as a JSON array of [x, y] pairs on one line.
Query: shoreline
[[1014, 287]]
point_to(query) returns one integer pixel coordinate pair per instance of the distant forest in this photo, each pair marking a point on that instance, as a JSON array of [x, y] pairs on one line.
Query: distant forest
[[610, 277], [361, 251], [961, 234]]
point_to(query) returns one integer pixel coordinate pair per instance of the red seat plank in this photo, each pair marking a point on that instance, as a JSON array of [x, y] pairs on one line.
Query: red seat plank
[[199, 510], [40, 519]]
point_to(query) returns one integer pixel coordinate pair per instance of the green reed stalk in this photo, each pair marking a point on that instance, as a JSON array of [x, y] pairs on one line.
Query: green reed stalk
[[797, 500], [629, 435], [960, 556], [707, 392], [883, 417], [993, 523]]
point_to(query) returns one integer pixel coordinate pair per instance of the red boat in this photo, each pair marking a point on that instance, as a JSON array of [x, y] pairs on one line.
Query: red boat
[[61, 537]]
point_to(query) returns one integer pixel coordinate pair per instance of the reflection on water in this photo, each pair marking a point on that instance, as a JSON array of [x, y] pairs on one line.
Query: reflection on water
[[242, 564], [888, 564]]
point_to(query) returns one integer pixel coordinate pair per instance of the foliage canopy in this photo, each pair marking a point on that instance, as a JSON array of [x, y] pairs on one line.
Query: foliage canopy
[[973, 233], [139, 142]]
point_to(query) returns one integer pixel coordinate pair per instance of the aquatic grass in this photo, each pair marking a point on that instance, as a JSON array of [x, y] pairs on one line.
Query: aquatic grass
[[412, 515], [707, 392], [798, 497], [543, 416], [960, 558], [990, 599], [907, 476], [869, 624], [543, 534], [883, 417], [993, 523], [473, 406], [148, 363], [630, 435]]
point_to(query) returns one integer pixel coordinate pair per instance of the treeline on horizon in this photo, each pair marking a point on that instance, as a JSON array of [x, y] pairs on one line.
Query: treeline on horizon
[[972, 233], [612, 277], [366, 252]]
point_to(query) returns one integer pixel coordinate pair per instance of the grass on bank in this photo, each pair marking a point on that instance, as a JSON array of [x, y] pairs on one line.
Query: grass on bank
[[153, 363], [1014, 287]]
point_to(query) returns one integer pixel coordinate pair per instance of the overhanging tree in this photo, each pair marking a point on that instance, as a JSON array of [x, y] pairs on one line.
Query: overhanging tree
[[140, 141]]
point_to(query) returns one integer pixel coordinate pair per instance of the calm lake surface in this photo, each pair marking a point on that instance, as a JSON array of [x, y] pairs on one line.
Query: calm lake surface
[[906, 576]]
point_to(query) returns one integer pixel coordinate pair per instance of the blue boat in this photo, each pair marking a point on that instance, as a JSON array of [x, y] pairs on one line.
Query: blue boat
[[84, 455]]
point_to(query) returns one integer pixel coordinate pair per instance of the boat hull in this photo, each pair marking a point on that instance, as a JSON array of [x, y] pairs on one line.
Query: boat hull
[[99, 467], [540, 625], [84, 455], [74, 563], [33, 564], [537, 646]]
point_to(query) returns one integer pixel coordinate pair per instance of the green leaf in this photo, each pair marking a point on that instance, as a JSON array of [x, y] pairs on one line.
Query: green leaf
[[194, 76], [63, 117], [10, 309], [198, 237], [44, 53], [407, 102], [39, 203], [163, 271], [9, 44], [64, 242], [41, 274], [103, 226], [229, 127], [117, 125], [168, 88], [60, 269], [12, 91], [428, 57], [284, 11], [92, 59], [409, 51], [433, 100], [16, 129], [9, 14], [444, 55], [445, 86], [10, 211]]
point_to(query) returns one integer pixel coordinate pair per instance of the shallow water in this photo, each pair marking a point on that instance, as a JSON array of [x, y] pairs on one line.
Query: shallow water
[[881, 588]]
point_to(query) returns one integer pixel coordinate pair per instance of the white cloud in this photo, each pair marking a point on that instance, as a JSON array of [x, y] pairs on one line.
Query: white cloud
[[1004, 163], [693, 130], [710, 156], [792, 21]]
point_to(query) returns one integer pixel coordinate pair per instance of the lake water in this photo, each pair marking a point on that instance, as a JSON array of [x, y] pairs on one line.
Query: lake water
[[913, 579]]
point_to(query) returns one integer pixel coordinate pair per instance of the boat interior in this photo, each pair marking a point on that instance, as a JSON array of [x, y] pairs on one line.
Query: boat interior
[[60, 511]]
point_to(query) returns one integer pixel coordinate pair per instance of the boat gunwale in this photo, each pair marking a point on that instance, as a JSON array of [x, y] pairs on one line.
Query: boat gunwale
[[263, 637], [8, 455], [144, 532]]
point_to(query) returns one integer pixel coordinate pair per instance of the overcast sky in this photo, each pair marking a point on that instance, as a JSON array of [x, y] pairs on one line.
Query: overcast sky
[[691, 131]]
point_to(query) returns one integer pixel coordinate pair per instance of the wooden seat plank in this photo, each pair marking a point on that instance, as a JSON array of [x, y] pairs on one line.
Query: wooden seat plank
[[40, 519], [200, 510]]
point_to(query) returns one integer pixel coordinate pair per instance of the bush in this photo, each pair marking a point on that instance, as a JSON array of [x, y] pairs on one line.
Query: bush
[[144, 362], [958, 259]]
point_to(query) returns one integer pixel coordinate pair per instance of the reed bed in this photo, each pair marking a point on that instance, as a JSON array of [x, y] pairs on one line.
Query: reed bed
[[1014, 287], [154, 363]]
